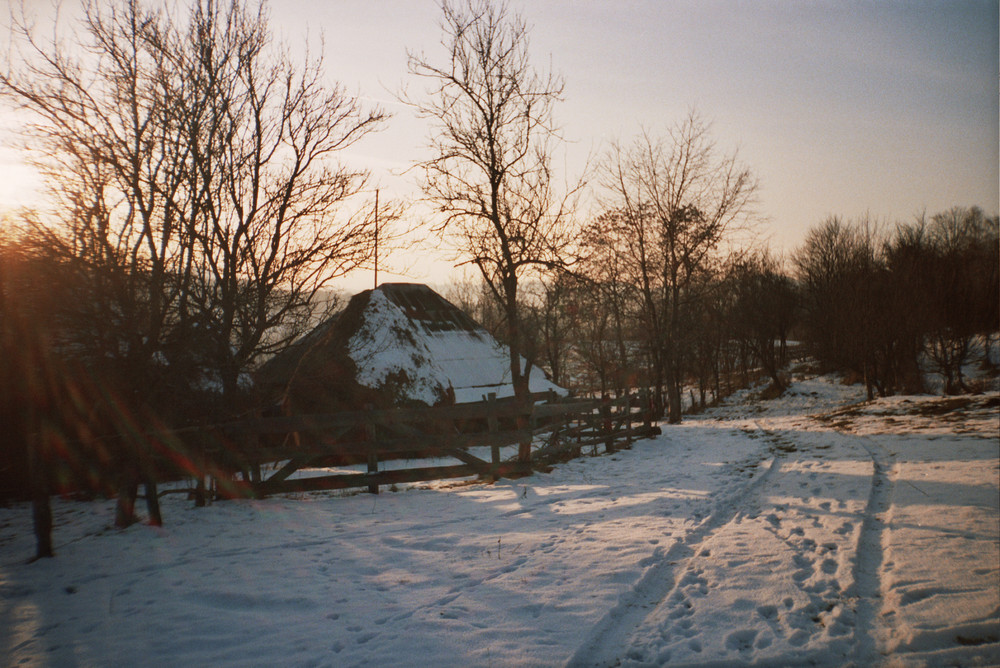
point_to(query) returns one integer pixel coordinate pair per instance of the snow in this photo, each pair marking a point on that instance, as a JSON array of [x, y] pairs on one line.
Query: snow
[[385, 344], [471, 362], [477, 365], [810, 530]]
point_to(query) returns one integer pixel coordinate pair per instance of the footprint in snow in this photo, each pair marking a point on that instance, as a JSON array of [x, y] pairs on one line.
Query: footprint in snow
[[802, 561], [798, 638], [741, 641], [769, 612]]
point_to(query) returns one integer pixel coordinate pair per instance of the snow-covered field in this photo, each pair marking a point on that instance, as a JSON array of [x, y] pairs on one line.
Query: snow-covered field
[[802, 531]]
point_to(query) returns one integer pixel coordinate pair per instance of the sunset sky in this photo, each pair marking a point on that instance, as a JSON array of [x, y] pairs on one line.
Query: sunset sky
[[887, 108]]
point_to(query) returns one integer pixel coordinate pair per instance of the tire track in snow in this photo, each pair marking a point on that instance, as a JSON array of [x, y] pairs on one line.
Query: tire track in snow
[[608, 641], [868, 562]]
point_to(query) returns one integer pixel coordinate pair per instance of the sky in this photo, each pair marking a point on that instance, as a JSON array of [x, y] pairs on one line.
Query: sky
[[840, 107]]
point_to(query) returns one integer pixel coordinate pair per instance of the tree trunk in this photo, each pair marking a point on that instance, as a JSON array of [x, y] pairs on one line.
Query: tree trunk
[[128, 490], [673, 396], [770, 361], [41, 508], [153, 502], [199, 491]]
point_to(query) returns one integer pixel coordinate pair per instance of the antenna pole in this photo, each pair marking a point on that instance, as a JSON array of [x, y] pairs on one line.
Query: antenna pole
[[376, 238]]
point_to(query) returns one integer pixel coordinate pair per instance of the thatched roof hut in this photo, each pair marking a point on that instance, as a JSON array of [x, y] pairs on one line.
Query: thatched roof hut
[[399, 344]]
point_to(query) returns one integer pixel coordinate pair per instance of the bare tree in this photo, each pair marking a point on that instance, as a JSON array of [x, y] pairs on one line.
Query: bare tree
[[676, 203], [963, 256], [490, 173], [873, 304], [270, 231], [911, 283], [834, 267], [762, 310], [97, 135], [196, 189], [544, 311], [606, 308]]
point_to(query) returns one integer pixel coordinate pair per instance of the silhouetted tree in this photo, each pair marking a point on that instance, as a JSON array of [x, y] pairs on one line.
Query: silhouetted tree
[[196, 192], [675, 202], [762, 310], [962, 257], [490, 174], [842, 274]]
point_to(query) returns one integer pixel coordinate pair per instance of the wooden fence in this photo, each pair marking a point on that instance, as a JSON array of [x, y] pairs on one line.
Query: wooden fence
[[557, 428]]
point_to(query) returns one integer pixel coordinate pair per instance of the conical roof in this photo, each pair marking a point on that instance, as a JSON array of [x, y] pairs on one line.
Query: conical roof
[[400, 343]]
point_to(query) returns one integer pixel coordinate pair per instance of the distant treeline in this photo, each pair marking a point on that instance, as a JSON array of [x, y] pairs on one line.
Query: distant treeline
[[883, 304]]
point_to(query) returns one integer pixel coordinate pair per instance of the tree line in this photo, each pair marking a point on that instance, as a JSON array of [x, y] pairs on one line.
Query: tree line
[[199, 208], [884, 305]]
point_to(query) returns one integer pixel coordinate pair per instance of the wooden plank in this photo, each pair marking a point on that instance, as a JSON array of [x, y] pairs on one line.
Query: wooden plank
[[326, 422], [493, 427], [347, 480], [607, 426], [397, 436], [565, 408], [628, 420], [638, 432], [288, 469], [372, 453], [432, 444], [334, 425], [482, 467]]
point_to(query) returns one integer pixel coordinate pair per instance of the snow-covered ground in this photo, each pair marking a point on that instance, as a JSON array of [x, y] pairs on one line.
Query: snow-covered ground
[[810, 530]]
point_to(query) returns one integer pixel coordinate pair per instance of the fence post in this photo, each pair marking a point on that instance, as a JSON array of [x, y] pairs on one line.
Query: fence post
[[370, 440], [609, 440], [628, 419], [647, 411], [523, 422], [493, 426]]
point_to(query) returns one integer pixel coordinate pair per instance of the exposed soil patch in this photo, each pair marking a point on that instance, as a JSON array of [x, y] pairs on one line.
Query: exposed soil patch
[[941, 406]]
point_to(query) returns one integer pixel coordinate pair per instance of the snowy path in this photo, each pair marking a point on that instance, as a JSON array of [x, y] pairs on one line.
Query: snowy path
[[868, 562], [660, 580], [795, 532], [771, 521], [824, 505]]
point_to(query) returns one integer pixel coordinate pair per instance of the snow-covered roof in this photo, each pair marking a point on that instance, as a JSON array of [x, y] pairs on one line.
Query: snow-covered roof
[[409, 328], [406, 340]]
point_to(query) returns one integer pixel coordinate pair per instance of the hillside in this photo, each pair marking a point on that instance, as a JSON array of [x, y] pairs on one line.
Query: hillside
[[810, 530]]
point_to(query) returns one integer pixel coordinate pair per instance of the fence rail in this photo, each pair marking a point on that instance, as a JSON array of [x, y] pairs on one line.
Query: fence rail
[[559, 428]]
